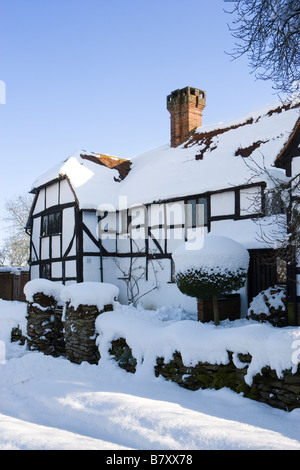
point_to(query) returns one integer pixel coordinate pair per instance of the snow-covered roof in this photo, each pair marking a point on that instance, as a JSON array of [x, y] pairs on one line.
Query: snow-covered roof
[[213, 158]]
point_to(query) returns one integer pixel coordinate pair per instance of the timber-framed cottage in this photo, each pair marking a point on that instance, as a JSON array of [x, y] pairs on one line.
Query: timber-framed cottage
[[101, 218]]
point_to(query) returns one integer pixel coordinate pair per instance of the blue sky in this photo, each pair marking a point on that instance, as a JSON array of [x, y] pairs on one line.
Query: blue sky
[[94, 74]]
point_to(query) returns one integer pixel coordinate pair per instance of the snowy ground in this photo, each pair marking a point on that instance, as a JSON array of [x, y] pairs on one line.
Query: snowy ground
[[49, 403]]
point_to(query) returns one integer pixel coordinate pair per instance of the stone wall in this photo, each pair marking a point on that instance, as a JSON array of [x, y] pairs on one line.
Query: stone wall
[[73, 334], [44, 326], [283, 393], [123, 355], [80, 333]]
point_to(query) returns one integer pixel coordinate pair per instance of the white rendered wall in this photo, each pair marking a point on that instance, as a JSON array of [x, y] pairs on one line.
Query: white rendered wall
[[35, 237], [56, 270], [52, 195], [66, 194], [91, 269], [90, 219], [45, 252], [70, 268], [250, 200], [295, 166], [56, 246], [68, 224], [222, 203], [40, 202]]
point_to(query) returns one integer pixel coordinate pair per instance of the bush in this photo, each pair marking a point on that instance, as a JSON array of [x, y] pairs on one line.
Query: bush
[[205, 283], [219, 266]]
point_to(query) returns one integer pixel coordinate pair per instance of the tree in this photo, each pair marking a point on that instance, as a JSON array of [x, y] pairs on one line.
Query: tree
[[280, 229], [268, 33], [217, 267], [15, 250]]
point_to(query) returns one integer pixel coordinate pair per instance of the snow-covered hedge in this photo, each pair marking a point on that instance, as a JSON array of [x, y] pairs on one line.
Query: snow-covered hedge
[[213, 252], [210, 267], [213, 266]]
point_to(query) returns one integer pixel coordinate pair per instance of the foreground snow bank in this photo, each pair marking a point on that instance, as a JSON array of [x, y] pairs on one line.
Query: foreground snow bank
[[12, 315], [51, 403], [150, 338]]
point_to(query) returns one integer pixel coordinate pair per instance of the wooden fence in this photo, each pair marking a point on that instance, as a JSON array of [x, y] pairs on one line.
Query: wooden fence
[[12, 282]]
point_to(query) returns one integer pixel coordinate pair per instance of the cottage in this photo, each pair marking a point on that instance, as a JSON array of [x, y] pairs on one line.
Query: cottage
[[101, 218]]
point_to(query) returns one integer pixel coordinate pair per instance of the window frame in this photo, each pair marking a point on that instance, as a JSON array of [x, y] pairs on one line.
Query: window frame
[[45, 270], [192, 219], [51, 227]]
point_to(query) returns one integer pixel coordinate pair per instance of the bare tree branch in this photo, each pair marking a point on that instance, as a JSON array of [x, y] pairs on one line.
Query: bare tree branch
[[15, 250], [268, 33]]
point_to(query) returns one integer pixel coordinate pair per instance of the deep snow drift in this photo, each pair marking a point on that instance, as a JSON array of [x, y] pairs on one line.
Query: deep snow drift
[[50, 403]]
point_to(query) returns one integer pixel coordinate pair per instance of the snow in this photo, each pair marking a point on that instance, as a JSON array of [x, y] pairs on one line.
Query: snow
[[165, 173], [13, 269], [12, 314], [50, 403], [274, 300], [49, 288], [196, 341], [86, 293], [90, 293], [211, 252], [251, 233]]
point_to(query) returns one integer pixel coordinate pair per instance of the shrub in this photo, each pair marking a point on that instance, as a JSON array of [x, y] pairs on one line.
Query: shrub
[[217, 267]]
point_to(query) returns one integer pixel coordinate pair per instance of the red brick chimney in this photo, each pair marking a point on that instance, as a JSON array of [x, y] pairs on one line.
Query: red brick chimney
[[185, 107]]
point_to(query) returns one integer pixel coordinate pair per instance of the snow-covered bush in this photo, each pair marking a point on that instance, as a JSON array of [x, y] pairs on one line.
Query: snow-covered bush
[[211, 267], [269, 306]]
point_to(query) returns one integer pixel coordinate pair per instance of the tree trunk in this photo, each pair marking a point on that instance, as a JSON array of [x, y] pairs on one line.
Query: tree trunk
[[216, 310]]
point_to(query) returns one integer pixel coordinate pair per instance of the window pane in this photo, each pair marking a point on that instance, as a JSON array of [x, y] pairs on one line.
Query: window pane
[[274, 204], [57, 222], [44, 226], [52, 224], [202, 211], [196, 212], [191, 213], [45, 271]]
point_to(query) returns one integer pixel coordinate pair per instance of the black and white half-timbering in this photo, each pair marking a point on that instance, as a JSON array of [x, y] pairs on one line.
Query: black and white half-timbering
[[100, 218]]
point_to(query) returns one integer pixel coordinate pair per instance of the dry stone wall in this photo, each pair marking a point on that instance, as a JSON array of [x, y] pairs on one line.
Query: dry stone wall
[[266, 387], [44, 325], [59, 331], [61, 320], [283, 393], [71, 332], [80, 333]]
